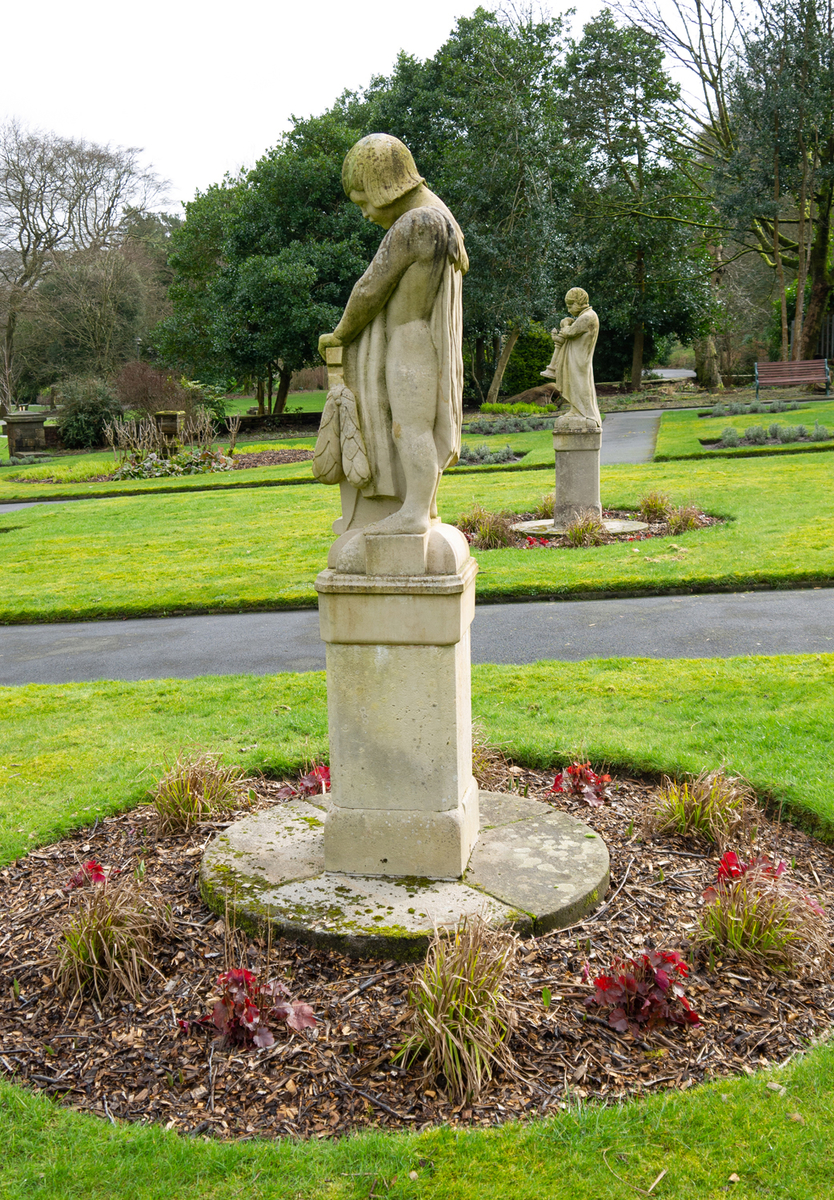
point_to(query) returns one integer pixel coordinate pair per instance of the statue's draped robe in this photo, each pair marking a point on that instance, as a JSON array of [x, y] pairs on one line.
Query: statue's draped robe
[[366, 357], [573, 371]]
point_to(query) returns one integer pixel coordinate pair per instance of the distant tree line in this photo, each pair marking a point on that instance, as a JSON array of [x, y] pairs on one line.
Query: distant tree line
[[568, 161]]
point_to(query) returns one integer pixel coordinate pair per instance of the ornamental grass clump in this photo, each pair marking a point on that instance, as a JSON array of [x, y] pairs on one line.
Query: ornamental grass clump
[[684, 519], [489, 762], [487, 530], [655, 507], [198, 788], [460, 1019], [711, 807], [757, 915], [542, 510], [107, 943], [586, 529]]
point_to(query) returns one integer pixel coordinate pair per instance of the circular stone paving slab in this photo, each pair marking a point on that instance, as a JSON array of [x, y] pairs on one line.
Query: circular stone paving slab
[[533, 868], [549, 529]]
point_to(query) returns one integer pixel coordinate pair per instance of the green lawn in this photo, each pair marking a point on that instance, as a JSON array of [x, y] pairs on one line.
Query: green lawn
[[296, 402], [72, 752], [680, 432], [66, 477], [262, 547]]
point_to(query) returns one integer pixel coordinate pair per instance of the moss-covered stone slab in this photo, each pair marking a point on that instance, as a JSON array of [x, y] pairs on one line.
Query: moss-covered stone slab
[[551, 866], [533, 868]]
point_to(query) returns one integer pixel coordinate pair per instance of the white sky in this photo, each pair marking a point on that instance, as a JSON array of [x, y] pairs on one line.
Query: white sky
[[205, 89]]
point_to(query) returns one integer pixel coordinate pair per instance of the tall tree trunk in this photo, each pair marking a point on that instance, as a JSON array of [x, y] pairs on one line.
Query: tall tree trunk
[[802, 269], [706, 364], [284, 378], [780, 267], [269, 378], [259, 396], [6, 365], [819, 270], [480, 366], [637, 357], [501, 366]]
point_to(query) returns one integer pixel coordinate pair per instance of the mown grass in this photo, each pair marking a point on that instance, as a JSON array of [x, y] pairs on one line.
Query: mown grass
[[679, 433], [75, 477], [68, 477], [84, 749], [699, 1139], [71, 752], [296, 402], [261, 548]]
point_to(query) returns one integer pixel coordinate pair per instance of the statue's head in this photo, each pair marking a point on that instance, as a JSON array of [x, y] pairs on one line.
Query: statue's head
[[577, 300], [378, 171]]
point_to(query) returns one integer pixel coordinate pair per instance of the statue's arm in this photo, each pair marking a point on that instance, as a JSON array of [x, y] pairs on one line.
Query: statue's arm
[[412, 239], [586, 322]]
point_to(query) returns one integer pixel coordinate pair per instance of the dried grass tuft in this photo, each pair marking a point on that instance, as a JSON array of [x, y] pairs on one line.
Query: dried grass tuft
[[490, 765], [198, 788], [460, 1019], [107, 944], [764, 920], [542, 510], [684, 519], [711, 807], [487, 530], [655, 507], [586, 529]]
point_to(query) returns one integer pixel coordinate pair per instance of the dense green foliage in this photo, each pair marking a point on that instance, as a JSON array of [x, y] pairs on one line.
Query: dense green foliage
[[86, 407]]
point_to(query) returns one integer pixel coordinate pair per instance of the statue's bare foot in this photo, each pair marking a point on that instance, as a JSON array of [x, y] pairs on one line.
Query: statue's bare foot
[[548, 374], [400, 522]]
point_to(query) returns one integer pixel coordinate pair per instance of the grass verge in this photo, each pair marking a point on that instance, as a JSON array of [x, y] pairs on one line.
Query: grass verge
[[679, 433], [261, 548], [73, 752], [80, 750]]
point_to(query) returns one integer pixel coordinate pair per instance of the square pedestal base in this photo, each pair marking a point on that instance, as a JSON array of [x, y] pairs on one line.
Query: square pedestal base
[[402, 842]]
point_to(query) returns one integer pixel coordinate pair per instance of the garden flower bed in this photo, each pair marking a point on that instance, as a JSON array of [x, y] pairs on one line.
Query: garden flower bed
[[147, 1060]]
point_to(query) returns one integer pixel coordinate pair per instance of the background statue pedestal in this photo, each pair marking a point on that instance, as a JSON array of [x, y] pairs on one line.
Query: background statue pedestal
[[576, 443], [404, 800]]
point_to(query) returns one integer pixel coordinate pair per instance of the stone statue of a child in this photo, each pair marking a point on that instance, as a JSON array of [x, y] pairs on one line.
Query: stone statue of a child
[[571, 367], [401, 362]]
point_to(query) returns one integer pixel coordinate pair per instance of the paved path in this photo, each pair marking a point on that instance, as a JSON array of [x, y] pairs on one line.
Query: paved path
[[719, 626], [629, 437], [800, 622]]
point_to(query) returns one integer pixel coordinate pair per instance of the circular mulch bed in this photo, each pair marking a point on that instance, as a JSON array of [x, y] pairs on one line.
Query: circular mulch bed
[[134, 1061], [269, 458]]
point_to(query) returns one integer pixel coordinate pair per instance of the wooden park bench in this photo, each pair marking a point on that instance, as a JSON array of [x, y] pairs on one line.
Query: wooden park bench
[[782, 374]]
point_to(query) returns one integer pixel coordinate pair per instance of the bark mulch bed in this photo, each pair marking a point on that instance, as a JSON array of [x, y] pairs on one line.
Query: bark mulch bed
[[133, 1061], [269, 458]]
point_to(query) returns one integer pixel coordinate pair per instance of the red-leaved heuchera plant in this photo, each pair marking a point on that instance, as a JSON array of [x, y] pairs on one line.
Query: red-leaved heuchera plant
[[644, 991], [314, 782], [245, 1007], [579, 780], [88, 873]]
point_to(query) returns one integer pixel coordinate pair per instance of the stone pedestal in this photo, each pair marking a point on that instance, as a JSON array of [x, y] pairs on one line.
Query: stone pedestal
[[25, 432], [576, 444], [405, 802]]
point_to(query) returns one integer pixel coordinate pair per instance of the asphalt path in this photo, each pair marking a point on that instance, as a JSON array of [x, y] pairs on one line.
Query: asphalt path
[[704, 626], [709, 626], [629, 437]]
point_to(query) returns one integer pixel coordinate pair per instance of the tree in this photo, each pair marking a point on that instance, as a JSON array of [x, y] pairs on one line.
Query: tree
[[265, 263], [57, 196], [636, 221], [481, 118], [790, 220]]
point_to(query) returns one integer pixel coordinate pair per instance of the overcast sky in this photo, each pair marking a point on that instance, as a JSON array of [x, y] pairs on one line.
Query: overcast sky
[[205, 88]]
